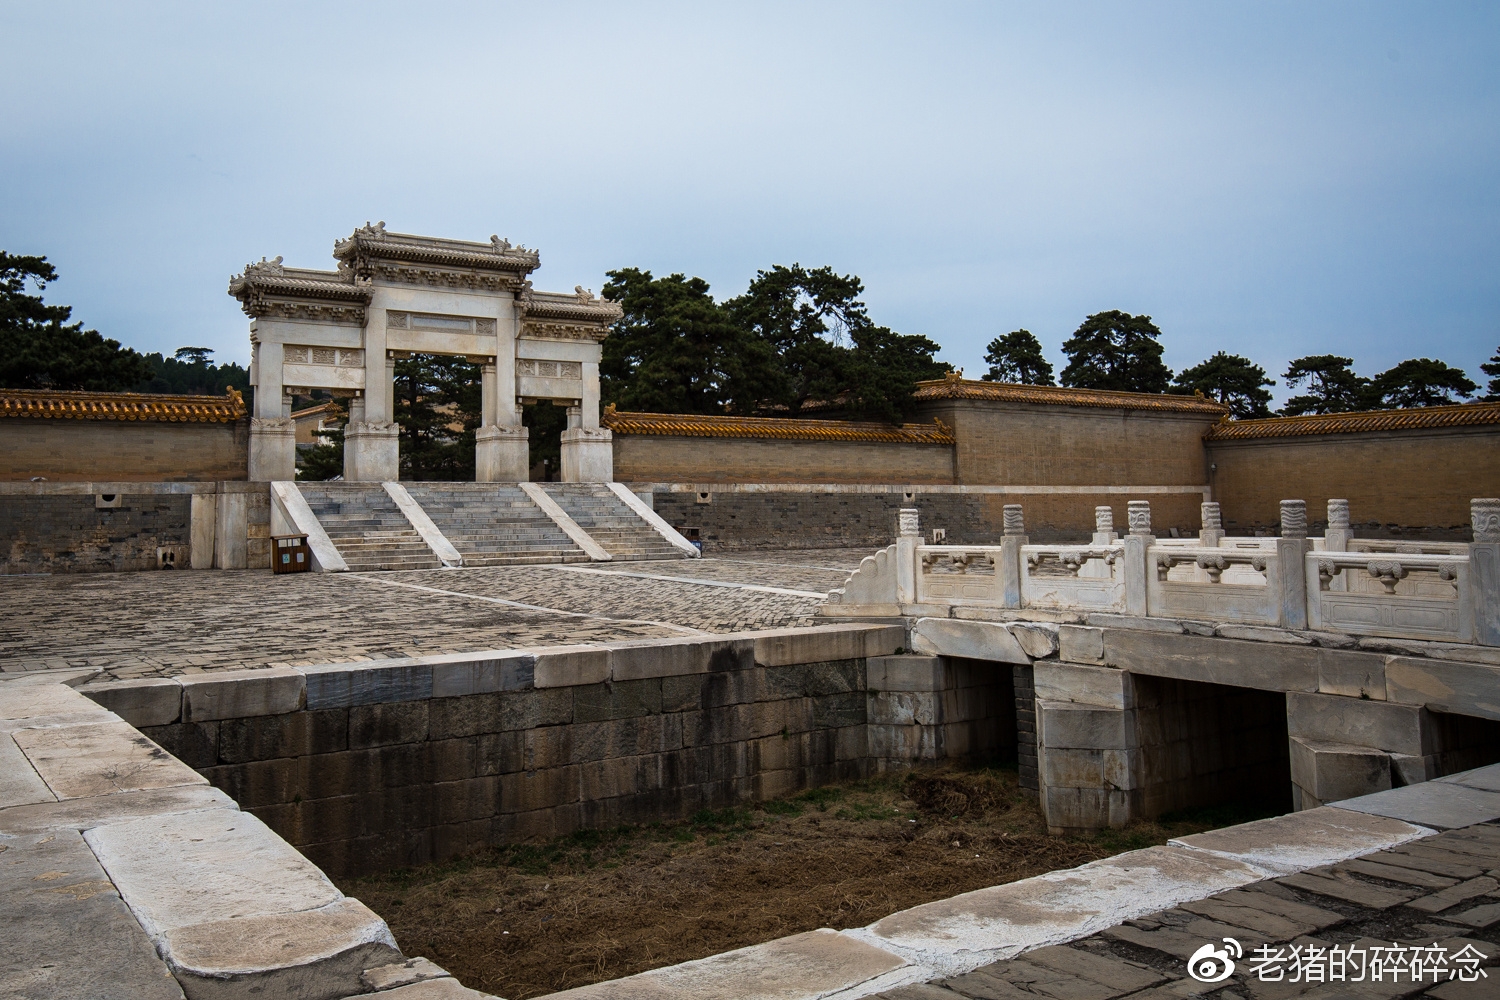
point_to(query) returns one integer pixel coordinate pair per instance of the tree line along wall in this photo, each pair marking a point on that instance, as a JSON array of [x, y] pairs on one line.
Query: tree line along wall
[[366, 766]]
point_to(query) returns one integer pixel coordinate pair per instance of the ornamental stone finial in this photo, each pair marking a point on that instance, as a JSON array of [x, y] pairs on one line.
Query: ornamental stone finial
[[1209, 513], [1015, 523], [1338, 515], [1104, 519], [908, 522], [1139, 514], [1484, 513], [1294, 519]]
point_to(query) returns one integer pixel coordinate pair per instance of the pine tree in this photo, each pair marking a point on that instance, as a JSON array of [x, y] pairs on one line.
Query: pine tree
[[1115, 350], [40, 349], [1421, 382], [1236, 382], [1332, 386], [1492, 369], [1017, 357]]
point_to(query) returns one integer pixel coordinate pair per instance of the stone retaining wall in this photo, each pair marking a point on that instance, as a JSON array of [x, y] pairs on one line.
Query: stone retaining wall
[[92, 527], [367, 766]]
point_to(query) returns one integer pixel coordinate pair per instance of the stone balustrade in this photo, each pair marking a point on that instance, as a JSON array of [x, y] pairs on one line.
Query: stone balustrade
[[1444, 592]]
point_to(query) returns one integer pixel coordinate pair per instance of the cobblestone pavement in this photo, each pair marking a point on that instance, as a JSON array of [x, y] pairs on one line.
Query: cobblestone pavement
[[1433, 902], [160, 624]]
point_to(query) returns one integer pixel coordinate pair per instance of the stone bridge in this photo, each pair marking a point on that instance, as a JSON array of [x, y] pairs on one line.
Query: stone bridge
[[1157, 674]]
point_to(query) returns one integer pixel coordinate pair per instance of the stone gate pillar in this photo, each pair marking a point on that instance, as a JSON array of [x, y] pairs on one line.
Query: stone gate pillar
[[587, 451], [501, 444], [273, 433]]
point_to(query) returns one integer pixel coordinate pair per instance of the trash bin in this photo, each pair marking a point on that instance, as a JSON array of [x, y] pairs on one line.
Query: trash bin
[[290, 554]]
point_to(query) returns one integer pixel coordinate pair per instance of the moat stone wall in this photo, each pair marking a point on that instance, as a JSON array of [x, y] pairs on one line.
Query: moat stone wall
[[368, 766]]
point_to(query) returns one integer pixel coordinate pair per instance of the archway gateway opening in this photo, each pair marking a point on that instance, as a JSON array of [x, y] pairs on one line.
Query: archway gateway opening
[[545, 421], [438, 407]]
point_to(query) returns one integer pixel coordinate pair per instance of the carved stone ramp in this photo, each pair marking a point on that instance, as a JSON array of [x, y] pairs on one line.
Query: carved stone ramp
[[289, 502], [611, 522], [494, 524], [368, 527]]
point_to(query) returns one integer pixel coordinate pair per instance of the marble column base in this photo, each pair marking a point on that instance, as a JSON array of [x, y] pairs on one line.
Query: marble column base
[[501, 454], [273, 449], [372, 452], [588, 455]]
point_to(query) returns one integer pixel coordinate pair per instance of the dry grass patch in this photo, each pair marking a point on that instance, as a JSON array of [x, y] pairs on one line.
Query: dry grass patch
[[528, 919]]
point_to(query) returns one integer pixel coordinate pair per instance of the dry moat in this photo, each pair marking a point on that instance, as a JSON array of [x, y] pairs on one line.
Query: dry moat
[[529, 919]]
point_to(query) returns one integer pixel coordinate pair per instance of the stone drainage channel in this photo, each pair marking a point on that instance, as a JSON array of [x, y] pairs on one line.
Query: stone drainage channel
[[127, 874]]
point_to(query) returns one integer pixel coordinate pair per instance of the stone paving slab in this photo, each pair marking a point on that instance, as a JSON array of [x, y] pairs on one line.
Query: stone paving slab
[[1443, 805], [1145, 958], [813, 964], [156, 624], [65, 933], [102, 758]]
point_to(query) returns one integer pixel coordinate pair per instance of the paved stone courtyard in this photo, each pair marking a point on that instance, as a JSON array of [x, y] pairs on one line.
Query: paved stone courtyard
[[162, 624]]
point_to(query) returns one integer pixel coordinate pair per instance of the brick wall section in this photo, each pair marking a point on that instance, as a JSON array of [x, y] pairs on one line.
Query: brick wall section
[[661, 458], [743, 521], [1029, 444], [69, 534], [124, 451], [369, 766], [1397, 483]]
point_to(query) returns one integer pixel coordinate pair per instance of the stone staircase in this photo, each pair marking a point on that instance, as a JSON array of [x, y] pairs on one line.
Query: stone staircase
[[494, 524], [367, 527], [610, 522]]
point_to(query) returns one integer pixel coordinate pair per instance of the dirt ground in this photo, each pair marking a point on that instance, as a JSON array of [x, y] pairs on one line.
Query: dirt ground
[[530, 919]]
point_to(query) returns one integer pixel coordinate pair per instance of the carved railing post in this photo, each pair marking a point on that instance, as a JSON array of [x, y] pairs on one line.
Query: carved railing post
[[1104, 526], [1009, 569], [1291, 553], [1212, 531], [908, 537], [1137, 551], [1484, 569], [1337, 535]]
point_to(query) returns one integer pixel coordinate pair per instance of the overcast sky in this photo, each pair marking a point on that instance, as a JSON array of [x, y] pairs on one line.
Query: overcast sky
[[1274, 180]]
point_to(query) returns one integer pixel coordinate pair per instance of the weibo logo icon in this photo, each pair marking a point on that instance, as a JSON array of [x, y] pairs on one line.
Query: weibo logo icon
[[1214, 965]]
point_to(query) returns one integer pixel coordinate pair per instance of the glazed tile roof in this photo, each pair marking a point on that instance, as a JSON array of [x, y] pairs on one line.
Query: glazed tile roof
[[956, 387], [698, 425], [1463, 415], [65, 405]]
